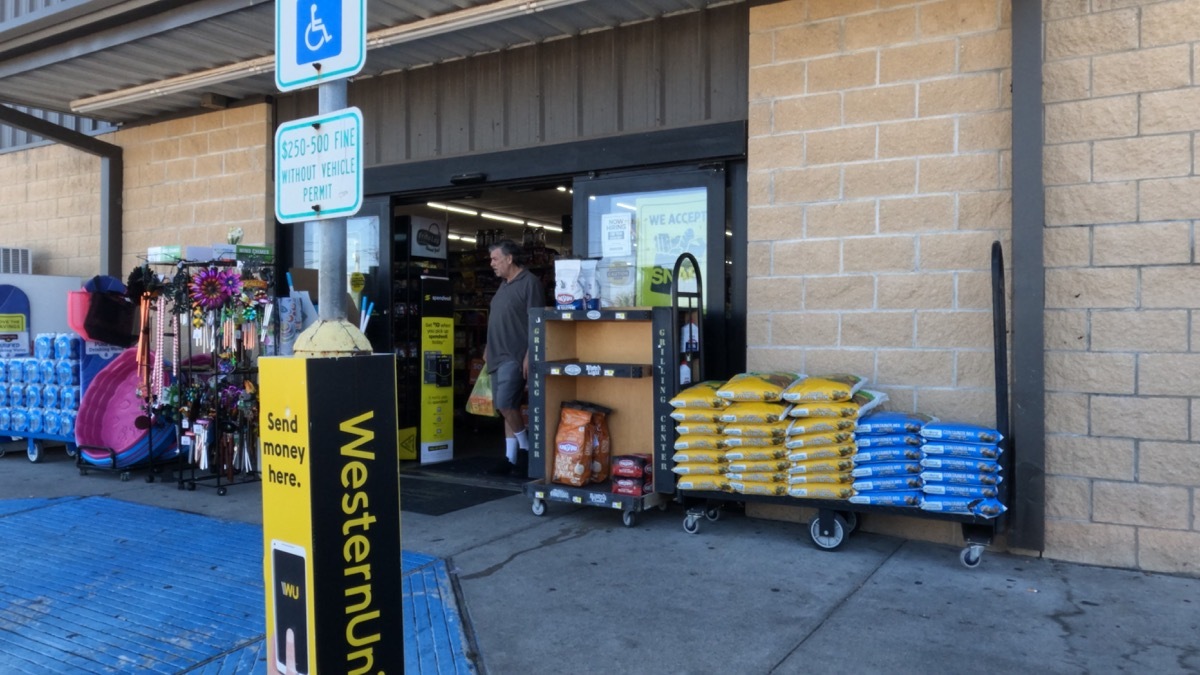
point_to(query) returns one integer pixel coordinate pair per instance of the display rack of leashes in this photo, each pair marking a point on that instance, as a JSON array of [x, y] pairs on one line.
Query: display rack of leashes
[[836, 519]]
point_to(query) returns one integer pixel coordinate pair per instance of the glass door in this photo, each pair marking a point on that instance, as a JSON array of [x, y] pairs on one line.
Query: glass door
[[637, 224]]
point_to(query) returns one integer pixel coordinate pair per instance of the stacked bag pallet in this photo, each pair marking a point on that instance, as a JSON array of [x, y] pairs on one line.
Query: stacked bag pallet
[[754, 432], [960, 472], [781, 434], [887, 462], [824, 414], [41, 394], [699, 449]]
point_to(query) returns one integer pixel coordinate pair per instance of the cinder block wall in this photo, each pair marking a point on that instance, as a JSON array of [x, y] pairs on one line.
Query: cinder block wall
[[1122, 95], [187, 181], [51, 202], [880, 133]]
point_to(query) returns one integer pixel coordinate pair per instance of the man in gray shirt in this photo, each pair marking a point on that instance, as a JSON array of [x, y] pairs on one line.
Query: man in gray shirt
[[507, 349]]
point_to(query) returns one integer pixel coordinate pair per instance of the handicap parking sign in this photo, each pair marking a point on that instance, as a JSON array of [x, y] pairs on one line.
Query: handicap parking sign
[[320, 37], [318, 41]]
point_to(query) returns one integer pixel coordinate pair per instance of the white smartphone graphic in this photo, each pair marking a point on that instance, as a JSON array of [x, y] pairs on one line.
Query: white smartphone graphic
[[288, 563]]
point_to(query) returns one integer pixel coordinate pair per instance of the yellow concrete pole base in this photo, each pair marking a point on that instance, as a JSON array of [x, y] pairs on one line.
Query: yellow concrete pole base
[[331, 338]]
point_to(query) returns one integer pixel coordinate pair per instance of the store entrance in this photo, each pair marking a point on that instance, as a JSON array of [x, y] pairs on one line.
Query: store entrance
[[447, 236]]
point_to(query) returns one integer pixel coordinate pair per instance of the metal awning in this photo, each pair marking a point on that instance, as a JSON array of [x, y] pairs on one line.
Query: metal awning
[[127, 60]]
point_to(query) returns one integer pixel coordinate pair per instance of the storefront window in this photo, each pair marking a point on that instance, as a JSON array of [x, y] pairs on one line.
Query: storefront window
[[638, 236]]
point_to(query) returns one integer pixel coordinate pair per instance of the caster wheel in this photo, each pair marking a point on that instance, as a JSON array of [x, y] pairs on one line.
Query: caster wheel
[[851, 520], [34, 451], [831, 540], [124, 476], [691, 525], [538, 507], [191, 485], [971, 556], [72, 450], [713, 513], [221, 491], [663, 506], [629, 518]]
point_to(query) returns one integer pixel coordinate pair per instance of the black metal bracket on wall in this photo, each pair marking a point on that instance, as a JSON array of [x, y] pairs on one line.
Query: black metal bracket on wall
[[1027, 522]]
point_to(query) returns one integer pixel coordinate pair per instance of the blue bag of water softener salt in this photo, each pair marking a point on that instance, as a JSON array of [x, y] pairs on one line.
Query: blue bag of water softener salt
[[957, 490], [886, 440], [893, 498], [968, 450], [988, 508], [897, 454], [962, 433], [886, 422], [888, 483]]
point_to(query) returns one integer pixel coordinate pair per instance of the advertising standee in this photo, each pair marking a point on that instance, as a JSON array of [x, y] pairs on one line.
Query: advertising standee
[[331, 514]]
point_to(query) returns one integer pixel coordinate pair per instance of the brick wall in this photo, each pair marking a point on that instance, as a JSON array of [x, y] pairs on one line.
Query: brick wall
[[51, 202], [1122, 95], [878, 165], [187, 181]]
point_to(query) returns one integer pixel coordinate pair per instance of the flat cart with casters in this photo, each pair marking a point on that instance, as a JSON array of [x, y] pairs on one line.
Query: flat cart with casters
[[836, 519], [35, 443], [618, 358]]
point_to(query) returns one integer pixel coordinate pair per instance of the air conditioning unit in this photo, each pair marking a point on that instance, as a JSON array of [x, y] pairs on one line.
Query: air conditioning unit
[[16, 261]]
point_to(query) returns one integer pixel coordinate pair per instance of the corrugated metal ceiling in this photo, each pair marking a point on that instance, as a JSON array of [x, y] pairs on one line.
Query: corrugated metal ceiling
[[135, 44]]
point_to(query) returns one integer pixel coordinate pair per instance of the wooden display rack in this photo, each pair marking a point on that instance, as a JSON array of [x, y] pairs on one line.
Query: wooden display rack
[[620, 359]]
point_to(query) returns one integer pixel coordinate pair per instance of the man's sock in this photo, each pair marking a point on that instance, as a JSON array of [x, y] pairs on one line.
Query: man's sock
[[510, 449], [522, 439]]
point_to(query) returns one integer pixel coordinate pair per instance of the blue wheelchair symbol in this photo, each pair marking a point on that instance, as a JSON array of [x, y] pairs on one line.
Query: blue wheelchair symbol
[[318, 30]]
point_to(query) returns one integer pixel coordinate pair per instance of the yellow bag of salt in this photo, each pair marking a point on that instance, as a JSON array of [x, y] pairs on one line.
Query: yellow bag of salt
[[863, 401], [813, 440], [755, 442], [710, 428], [699, 469], [700, 415], [753, 412], [773, 430], [759, 466], [776, 477], [703, 482], [699, 442], [702, 395], [821, 491], [819, 425], [820, 477], [748, 487], [756, 386], [715, 456], [756, 454], [839, 387], [822, 452], [829, 465]]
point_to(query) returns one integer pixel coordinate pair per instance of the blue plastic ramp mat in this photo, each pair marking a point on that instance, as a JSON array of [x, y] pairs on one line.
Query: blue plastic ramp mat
[[98, 585], [434, 641], [10, 506]]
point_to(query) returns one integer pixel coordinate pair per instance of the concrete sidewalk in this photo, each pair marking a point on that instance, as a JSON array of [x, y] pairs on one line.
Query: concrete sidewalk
[[575, 591]]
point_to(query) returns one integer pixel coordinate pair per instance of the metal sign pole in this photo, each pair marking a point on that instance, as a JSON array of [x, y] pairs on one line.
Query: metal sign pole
[[331, 270]]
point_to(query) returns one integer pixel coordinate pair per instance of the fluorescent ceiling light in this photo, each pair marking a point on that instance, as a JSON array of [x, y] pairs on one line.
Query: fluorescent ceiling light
[[503, 219], [459, 237], [627, 206], [408, 32], [451, 207], [544, 226]]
